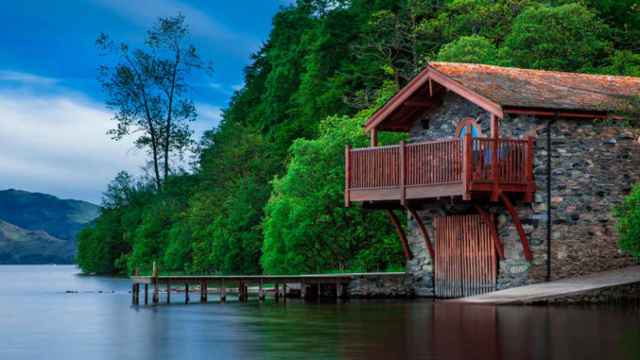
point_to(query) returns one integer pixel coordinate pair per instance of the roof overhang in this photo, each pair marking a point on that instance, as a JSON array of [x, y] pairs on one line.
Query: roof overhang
[[384, 117]]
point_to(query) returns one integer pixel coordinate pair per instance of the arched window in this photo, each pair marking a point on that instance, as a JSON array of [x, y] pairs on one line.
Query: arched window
[[469, 124]]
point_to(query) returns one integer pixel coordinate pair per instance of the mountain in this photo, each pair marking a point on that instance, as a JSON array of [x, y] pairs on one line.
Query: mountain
[[40, 228]]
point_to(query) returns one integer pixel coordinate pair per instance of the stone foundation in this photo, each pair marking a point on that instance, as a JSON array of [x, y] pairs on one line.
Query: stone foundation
[[382, 286]]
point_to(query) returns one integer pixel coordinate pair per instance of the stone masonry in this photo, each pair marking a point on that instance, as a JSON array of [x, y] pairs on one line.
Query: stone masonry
[[594, 165]]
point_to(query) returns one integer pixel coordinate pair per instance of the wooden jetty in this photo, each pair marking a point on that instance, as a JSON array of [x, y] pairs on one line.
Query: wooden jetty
[[310, 286], [558, 289]]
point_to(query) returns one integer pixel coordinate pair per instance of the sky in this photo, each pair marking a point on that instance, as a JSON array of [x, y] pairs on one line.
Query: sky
[[53, 121]]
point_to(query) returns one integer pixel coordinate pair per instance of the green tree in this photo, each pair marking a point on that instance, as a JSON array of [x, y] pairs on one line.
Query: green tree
[[148, 89], [307, 228], [470, 49], [628, 216], [568, 37]]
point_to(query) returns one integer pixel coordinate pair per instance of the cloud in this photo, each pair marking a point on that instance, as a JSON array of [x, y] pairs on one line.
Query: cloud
[[146, 12], [25, 78], [57, 144]]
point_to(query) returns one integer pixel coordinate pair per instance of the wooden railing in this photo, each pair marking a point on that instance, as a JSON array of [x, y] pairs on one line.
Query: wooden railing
[[465, 161]]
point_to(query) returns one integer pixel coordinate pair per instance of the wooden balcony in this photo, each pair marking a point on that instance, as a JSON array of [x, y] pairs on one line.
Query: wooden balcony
[[460, 167]]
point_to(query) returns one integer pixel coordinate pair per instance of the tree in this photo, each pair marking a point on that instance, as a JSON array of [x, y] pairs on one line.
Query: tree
[[306, 226], [568, 38], [470, 49], [148, 88], [628, 216]]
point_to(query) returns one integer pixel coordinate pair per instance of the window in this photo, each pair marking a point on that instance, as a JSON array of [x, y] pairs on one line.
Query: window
[[466, 125]]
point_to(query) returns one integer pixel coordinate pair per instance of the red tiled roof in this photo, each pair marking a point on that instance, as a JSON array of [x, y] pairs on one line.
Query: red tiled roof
[[512, 90], [526, 88]]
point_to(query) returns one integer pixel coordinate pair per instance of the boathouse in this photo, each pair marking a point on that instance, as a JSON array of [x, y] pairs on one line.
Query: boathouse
[[508, 176]]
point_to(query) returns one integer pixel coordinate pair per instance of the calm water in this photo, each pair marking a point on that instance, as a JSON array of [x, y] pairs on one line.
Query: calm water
[[39, 320]]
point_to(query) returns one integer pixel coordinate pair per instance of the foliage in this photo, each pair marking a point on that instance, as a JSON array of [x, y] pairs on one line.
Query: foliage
[[568, 37], [266, 192], [628, 216], [470, 49], [307, 228], [148, 89]]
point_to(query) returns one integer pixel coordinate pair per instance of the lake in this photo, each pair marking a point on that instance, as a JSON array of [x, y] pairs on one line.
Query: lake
[[39, 319]]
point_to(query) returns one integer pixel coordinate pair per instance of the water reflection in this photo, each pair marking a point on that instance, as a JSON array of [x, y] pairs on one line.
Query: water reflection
[[37, 317]]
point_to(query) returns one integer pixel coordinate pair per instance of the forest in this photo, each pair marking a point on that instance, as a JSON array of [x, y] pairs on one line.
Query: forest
[[266, 192]]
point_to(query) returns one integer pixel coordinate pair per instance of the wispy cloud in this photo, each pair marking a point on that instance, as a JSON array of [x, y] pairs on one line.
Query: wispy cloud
[[25, 78], [146, 12], [58, 144]]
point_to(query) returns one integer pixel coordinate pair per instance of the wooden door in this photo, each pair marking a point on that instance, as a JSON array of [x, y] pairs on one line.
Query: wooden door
[[465, 258]]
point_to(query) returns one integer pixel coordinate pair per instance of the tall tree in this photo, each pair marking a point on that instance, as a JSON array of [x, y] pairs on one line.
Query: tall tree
[[149, 90]]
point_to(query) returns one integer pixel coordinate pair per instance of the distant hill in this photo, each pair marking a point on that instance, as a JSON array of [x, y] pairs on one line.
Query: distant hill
[[40, 228]]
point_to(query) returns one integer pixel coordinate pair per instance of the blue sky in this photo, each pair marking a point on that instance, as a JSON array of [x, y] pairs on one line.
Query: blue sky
[[52, 117]]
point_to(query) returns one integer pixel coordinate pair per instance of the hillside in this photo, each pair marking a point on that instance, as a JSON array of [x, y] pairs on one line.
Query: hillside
[[20, 246], [40, 228]]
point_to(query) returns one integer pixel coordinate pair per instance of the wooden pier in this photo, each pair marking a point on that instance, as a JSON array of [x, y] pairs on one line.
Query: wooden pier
[[282, 286]]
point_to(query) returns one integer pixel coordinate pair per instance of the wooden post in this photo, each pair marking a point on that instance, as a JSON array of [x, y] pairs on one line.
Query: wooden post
[[347, 176], [277, 292], [260, 292], [168, 292], [403, 172], [186, 293], [156, 295], [467, 164], [374, 137], [303, 290], [284, 292], [494, 170], [133, 294], [205, 292], [531, 185], [146, 294], [223, 292]]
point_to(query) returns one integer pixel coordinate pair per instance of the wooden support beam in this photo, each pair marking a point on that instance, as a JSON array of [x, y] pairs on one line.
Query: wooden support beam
[[277, 293], [260, 292], [146, 294], [168, 292], [347, 176], [423, 230], [401, 234], [419, 103], [133, 294], [186, 293], [284, 292], [518, 224], [403, 174], [488, 219]]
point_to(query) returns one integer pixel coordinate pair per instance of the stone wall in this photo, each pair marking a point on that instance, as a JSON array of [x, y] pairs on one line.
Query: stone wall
[[594, 164], [382, 286]]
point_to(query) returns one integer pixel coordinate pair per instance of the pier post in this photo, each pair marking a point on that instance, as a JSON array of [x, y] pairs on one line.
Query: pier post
[[146, 294], [205, 291], [168, 292], [133, 294], [154, 273], [284, 292], [223, 292], [260, 291], [303, 290], [186, 293], [277, 292]]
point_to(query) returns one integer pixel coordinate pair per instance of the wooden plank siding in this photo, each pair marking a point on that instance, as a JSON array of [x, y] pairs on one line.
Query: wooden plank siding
[[465, 257], [436, 169]]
